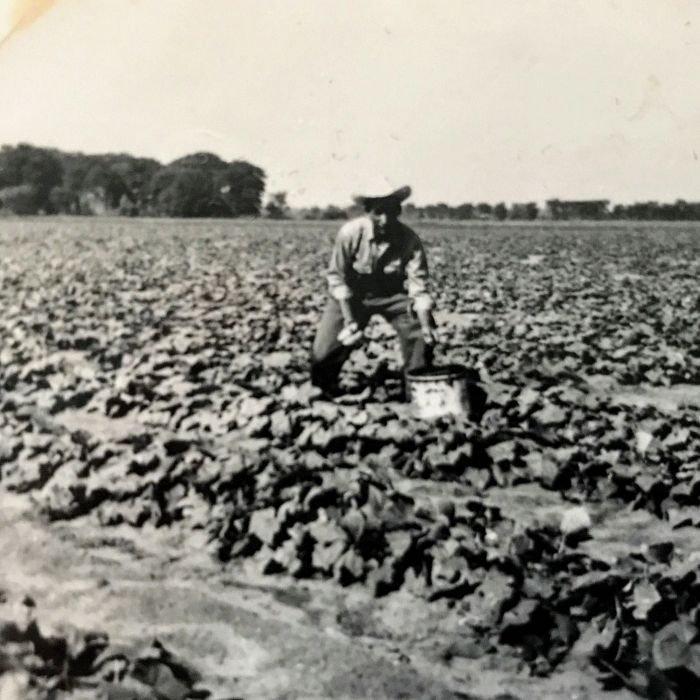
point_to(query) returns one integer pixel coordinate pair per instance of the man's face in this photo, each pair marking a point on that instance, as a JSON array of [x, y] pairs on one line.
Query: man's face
[[382, 220], [379, 219]]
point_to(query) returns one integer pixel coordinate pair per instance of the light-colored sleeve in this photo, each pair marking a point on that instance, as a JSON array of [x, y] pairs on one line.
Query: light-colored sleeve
[[341, 260], [418, 278]]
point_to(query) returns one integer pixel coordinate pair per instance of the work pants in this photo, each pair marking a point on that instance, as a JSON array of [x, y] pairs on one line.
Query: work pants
[[329, 355]]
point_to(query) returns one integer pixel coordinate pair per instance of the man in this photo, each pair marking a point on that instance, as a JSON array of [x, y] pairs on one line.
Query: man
[[378, 266]]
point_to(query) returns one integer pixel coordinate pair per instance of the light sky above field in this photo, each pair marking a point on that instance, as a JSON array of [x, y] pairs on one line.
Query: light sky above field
[[466, 100]]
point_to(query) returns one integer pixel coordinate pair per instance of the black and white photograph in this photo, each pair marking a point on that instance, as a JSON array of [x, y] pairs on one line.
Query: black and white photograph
[[349, 350]]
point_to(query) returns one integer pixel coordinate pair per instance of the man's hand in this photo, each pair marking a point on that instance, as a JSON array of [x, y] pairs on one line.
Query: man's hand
[[351, 334], [346, 310], [427, 325]]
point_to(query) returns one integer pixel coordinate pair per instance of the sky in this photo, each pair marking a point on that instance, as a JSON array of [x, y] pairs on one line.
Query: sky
[[465, 100]]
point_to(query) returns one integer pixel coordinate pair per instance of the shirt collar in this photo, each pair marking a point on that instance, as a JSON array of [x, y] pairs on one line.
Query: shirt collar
[[369, 228]]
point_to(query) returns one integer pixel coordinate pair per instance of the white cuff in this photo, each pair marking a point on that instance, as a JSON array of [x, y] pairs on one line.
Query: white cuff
[[342, 291], [422, 302]]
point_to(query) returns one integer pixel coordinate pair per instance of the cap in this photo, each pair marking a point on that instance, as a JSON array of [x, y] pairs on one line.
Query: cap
[[397, 196]]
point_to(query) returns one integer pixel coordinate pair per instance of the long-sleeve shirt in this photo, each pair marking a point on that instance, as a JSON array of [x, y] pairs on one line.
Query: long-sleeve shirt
[[365, 265]]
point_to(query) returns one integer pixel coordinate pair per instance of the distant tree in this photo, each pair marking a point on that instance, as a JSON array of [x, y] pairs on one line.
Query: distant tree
[[75, 168], [108, 178], [554, 209], [500, 211], [201, 184], [619, 211], [276, 207], [483, 209], [11, 162], [464, 211], [641, 211], [43, 170], [193, 180], [593, 209], [531, 211], [333, 213], [135, 173], [410, 210], [198, 184], [680, 210], [181, 192], [437, 211], [241, 185], [104, 180], [20, 199], [128, 207], [64, 200], [516, 211], [38, 168], [311, 214], [524, 212], [202, 160], [442, 211]]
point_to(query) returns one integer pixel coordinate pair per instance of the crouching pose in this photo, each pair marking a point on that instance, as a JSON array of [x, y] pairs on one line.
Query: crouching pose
[[378, 266]]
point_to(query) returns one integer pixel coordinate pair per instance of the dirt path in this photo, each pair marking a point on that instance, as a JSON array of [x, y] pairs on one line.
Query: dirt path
[[252, 636], [274, 637]]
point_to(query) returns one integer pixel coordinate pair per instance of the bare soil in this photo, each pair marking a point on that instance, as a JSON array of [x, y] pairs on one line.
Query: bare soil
[[274, 637]]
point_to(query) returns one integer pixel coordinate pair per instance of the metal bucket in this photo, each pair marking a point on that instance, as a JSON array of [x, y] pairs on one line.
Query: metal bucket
[[438, 391]]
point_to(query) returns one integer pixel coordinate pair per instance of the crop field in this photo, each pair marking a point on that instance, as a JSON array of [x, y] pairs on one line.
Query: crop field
[[168, 473]]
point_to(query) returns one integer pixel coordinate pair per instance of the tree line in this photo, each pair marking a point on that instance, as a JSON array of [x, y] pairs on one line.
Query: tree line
[[559, 210], [48, 181], [553, 209], [37, 180]]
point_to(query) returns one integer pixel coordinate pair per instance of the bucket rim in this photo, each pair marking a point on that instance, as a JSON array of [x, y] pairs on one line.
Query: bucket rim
[[429, 374]]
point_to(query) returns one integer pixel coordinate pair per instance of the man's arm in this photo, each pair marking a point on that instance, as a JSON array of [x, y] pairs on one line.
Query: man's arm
[[338, 267], [417, 282], [341, 260]]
